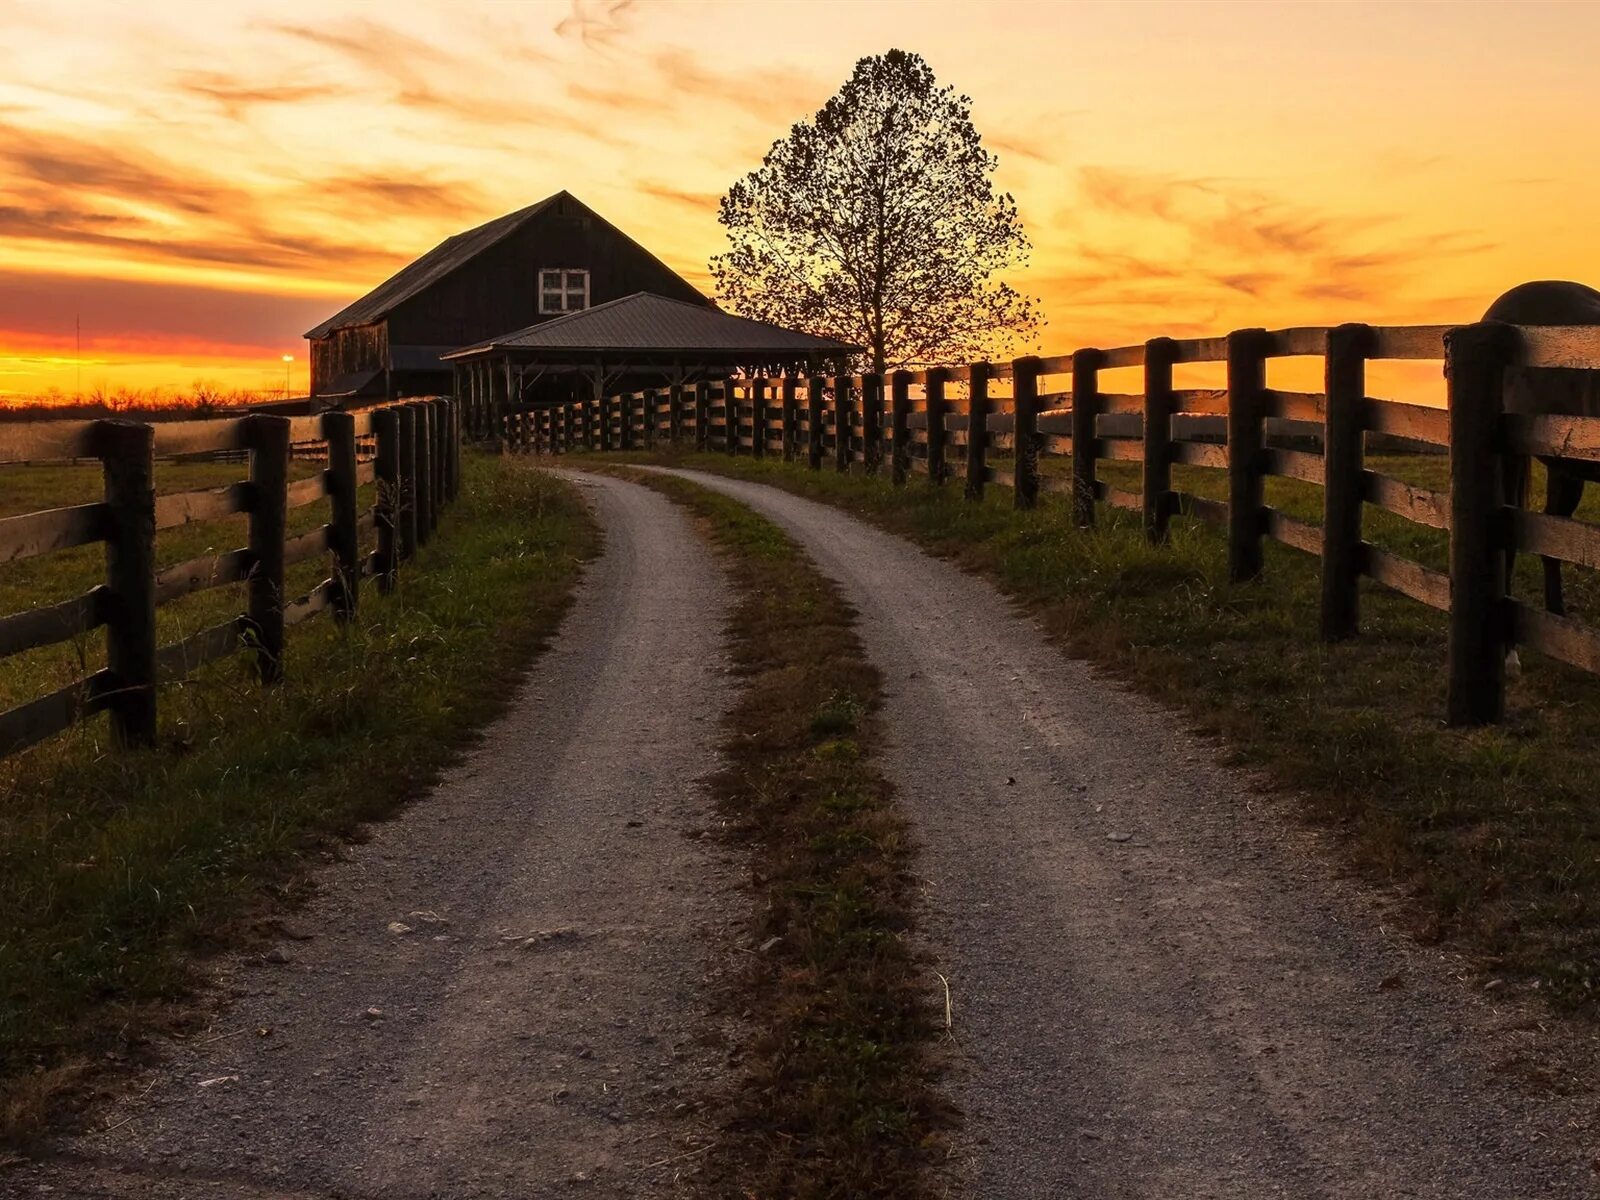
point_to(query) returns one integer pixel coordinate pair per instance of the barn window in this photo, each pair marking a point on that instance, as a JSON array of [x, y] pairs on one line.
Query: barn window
[[563, 291]]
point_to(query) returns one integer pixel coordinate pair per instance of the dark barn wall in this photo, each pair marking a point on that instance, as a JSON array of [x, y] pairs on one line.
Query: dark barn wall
[[361, 348], [498, 291]]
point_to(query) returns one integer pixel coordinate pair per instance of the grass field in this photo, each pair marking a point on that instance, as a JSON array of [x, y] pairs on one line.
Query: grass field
[[837, 1094], [1494, 831], [117, 868]]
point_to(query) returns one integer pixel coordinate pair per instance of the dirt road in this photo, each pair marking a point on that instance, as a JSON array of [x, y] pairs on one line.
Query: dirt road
[[1160, 986], [502, 992]]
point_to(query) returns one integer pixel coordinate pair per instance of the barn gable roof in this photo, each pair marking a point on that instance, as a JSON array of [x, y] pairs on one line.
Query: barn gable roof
[[645, 321]]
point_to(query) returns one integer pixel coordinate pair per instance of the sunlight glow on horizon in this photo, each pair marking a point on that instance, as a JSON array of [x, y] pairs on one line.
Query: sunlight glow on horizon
[[199, 184]]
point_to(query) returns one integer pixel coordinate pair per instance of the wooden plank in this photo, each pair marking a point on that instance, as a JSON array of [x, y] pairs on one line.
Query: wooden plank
[[1293, 464], [309, 490], [1200, 400], [1576, 542], [190, 437], [198, 574], [1122, 356], [308, 545], [1193, 350], [34, 441], [316, 600], [211, 504], [1415, 421], [1284, 528], [1056, 422], [1119, 425], [1559, 637], [30, 723], [1406, 577], [1119, 451], [1117, 498], [1561, 437], [1408, 341], [1060, 364], [1296, 406], [1200, 454], [1122, 402], [1413, 503], [31, 534], [53, 623], [1188, 504], [366, 472], [1574, 347], [178, 659], [1303, 340]]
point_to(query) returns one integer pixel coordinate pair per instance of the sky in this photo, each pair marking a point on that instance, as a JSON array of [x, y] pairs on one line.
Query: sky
[[193, 185]]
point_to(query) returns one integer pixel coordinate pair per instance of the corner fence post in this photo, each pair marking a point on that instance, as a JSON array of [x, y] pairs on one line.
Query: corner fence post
[[1025, 432], [758, 417], [386, 430], [1247, 384], [872, 422], [1343, 453], [1159, 355], [339, 430], [977, 429], [899, 427], [937, 406], [1476, 357], [406, 502], [842, 388], [269, 519], [1085, 408], [127, 453], [814, 430]]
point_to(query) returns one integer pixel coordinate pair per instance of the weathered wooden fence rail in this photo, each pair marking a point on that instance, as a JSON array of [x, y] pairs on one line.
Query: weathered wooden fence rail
[[947, 422], [415, 464]]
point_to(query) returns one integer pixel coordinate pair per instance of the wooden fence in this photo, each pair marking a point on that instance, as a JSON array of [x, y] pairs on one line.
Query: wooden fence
[[946, 422], [416, 468]]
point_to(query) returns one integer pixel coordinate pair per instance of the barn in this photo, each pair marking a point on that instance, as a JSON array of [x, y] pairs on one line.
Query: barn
[[542, 262]]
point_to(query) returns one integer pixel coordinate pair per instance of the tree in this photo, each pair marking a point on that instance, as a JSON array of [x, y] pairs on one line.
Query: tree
[[876, 222]]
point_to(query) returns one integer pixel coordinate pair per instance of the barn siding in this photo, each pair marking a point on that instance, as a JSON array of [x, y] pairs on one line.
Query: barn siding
[[362, 348]]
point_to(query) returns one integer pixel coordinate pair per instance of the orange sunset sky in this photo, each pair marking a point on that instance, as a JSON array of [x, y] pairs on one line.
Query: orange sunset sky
[[201, 182]]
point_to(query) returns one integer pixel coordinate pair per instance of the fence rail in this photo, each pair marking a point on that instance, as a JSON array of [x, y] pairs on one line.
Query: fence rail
[[946, 422], [415, 462]]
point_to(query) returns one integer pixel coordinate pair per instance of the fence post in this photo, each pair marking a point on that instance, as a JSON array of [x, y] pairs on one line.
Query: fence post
[[730, 417], [406, 501], [424, 473], [339, 429], [702, 415], [1025, 432], [1247, 383], [440, 441], [977, 429], [386, 429], [127, 452], [1159, 355], [814, 430], [1345, 385], [675, 414], [791, 417], [843, 387], [1476, 357], [936, 379], [899, 427], [758, 417], [1085, 408], [269, 519], [872, 422]]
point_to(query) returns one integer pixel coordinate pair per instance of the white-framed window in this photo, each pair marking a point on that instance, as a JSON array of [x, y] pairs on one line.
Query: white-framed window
[[562, 290]]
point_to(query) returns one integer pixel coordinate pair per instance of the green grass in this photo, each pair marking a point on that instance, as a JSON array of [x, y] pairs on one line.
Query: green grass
[[837, 1100], [1494, 831], [117, 868]]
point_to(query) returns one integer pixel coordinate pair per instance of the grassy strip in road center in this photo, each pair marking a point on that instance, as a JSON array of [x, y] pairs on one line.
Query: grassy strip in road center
[[116, 868], [838, 1096]]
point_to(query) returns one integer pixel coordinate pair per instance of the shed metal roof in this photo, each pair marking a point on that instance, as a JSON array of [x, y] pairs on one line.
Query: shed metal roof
[[430, 268], [647, 322]]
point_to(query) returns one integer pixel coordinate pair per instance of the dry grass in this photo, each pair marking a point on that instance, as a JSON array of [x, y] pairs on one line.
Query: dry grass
[[838, 1098]]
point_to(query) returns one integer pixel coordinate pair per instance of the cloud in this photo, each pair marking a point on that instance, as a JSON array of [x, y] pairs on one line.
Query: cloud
[[706, 202], [236, 98], [598, 24]]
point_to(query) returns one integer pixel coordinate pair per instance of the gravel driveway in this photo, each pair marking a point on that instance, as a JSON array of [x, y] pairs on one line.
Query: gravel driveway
[[1161, 986], [503, 992]]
